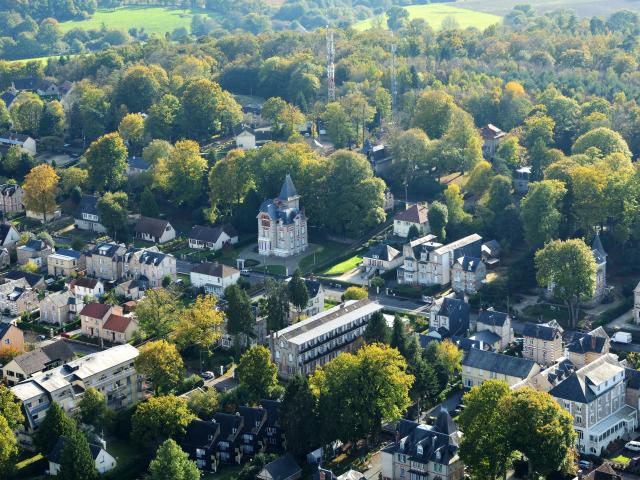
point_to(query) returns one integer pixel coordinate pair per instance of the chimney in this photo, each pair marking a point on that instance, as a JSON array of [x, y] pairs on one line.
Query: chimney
[[593, 342]]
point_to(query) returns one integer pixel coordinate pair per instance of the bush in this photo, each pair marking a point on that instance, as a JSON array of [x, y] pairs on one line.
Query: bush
[[613, 313]]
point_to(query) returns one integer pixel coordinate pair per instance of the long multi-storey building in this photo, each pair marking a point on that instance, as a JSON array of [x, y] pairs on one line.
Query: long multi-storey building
[[307, 345], [111, 372]]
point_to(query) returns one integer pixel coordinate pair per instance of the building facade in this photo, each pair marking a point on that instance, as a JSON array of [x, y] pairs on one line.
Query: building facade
[[542, 342], [11, 198], [106, 261], [479, 366], [64, 262], [467, 274], [214, 278]]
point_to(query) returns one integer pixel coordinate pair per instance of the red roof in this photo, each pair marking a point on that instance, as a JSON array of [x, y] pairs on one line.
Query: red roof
[[117, 323], [95, 310], [414, 214], [86, 282]]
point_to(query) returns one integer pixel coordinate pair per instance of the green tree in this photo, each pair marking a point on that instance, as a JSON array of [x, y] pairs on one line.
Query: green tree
[[55, 424], [8, 446], [479, 178], [298, 293], [277, 304], [76, 461], [156, 150], [605, 140], [485, 447], [411, 152], [140, 86], [425, 388], [434, 113], [40, 190], [92, 408], [72, 178], [148, 205], [157, 312], [26, 113], [377, 329], [229, 181], [163, 118], [285, 117], [449, 357], [161, 363], [10, 408], [182, 174], [107, 160], [206, 108], [299, 417], [112, 208], [158, 419], [204, 403], [398, 335], [460, 148], [397, 17], [455, 204], [510, 151], [438, 216], [338, 125], [52, 120], [240, 319], [537, 128], [5, 118], [540, 211], [257, 373], [570, 267], [171, 463], [131, 129]]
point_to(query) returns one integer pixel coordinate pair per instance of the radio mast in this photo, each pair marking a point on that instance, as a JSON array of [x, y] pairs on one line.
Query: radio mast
[[394, 81], [331, 68]]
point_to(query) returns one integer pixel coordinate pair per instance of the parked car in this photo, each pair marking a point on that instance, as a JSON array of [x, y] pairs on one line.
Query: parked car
[[245, 272], [585, 465], [622, 337], [633, 445], [208, 375]]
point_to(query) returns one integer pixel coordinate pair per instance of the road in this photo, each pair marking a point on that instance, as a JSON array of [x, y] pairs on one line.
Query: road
[[396, 304]]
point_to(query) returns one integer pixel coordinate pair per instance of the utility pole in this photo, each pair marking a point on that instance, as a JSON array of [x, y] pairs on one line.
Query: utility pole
[[331, 68], [394, 81]]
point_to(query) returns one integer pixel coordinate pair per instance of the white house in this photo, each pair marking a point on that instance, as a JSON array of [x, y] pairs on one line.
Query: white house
[[381, 258], [212, 238], [246, 139], [86, 216], [102, 459], [25, 142], [213, 277], [9, 236], [416, 215], [154, 230]]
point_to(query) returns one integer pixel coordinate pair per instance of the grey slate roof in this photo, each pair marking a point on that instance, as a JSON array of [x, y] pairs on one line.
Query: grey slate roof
[[383, 252], [542, 331], [211, 234], [88, 204], [469, 264], [281, 468], [214, 269], [486, 336], [67, 252], [577, 387], [457, 311], [138, 163], [313, 287], [4, 328], [32, 278], [587, 342], [201, 434], [288, 189], [56, 453], [4, 231], [492, 317], [38, 359], [498, 363], [152, 226]]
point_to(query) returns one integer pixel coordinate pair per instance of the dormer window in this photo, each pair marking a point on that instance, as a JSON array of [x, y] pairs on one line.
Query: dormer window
[[419, 449]]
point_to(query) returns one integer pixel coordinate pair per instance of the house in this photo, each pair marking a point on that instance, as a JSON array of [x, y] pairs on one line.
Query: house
[[137, 165], [41, 359], [26, 84], [498, 323], [106, 261], [595, 396], [304, 346], [34, 251], [9, 236], [603, 472], [119, 328], [5, 258], [584, 348], [228, 447], [129, 289], [521, 180], [250, 138], [107, 323], [542, 342], [34, 280], [86, 216], [200, 442], [17, 297], [424, 451], [212, 238], [491, 138], [468, 274], [316, 300], [480, 365], [86, 288], [12, 198], [413, 216], [600, 257], [111, 371], [282, 468], [413, 252], [548, 378], [379, 157], [11, 339], [149, 266], [64, 262], [381, 258], [59, 308], [449, 316], [25, 142], [214, 278], [491, 251], [102, 460], [154, 230], [282, 224], [252, 438], [274, 437], [489, 340]]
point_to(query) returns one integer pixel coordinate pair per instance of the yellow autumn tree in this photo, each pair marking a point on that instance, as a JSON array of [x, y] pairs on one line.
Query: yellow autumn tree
[[40, 189], [199, 324]]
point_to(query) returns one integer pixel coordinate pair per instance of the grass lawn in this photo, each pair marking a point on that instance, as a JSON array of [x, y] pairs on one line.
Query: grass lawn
[[43, 59], [620, 459], [275, 269], [434, 14], [329, 303], [159, 20], [326, 252], [343, 267], [227, 472]]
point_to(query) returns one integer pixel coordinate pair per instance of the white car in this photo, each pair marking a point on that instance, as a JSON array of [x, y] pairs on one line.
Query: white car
[[207, 375], [633, 446], [245, 272]]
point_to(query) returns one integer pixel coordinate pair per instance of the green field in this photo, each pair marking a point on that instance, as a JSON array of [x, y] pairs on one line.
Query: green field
[[434, 14], [158, 20], [344, 267], [41, 59]]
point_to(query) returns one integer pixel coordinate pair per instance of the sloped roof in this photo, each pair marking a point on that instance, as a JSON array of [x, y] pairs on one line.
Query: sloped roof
[[86, 282], [67, 252], [498, 363], [577, 387], [56, 453], [88, 204], [486, 336], [288, 189], [95, 310], [211, 234], [492, 317], [31, 278], [543, 331], [214, 269], [201, 433], [36, 360], [415, 214], [138, 163], [491, 132], [117, 323], [383, 252], [152, 226], [594, 341], [281, 468], [4, 231], [469, 264]]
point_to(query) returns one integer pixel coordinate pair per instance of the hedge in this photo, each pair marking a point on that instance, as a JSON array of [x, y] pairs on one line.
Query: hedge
[[613, 313]]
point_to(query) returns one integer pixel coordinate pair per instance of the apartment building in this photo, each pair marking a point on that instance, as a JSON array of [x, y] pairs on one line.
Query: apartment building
[[149, 266], [64, 262], [542, 342], [11, 196], [304, 346], [595, 396], [111, 372], [496, 322], [106, 261], [481, 365]]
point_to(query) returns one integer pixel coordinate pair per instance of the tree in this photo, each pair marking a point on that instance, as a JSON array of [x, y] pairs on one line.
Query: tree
[[438, 216], [338, 125], [171, 463], [205, 108], [157, 312], [479, 178], [5, 118], [354, 293], [182, 174], [10, 408], [510, 151], [112, 209], [240, 320], [162, 121], [92, 408], [131, 129], [411, 152], [449, 357], [434, 113], [396, 17], [257, 373], [204, 403], [161, 363], [40, 189], [8, 446], [377, 329], [425, 389], [26, 112], [537, 128], [199, 324], [148, 205], [285, 117], [356, 106], [277, 304], [485, 447], [540, 211], [541, 430], [72, 178], [158, 419], [455, 204], [298, 293], [229, 181], [55, 424], [605, 140], [398, 335], [156, 150], [570, 267], [52, 121], [140, 86], [299, 417], [76, 460], [107, 160], [460, 148]]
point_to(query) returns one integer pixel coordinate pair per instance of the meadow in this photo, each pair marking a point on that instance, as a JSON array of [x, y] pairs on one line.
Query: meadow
[[434, 14], [159, 20], [582, 8]]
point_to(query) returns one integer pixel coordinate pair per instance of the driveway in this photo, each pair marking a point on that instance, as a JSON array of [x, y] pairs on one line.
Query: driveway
[[289, 263]]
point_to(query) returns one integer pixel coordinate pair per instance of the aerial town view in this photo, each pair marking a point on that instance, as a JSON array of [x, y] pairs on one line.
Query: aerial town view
[[320, 239]]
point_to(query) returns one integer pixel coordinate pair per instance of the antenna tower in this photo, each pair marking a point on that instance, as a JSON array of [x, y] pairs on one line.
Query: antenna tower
[[394, 82], [331, 68]]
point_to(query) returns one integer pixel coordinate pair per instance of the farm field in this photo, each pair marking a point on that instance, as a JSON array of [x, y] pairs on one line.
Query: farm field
[[41, 59], [159, 20], [435, 13], [583, 8]]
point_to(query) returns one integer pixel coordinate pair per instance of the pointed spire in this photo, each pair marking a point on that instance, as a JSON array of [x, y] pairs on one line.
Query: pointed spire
[[288, 189], [597, 245]]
